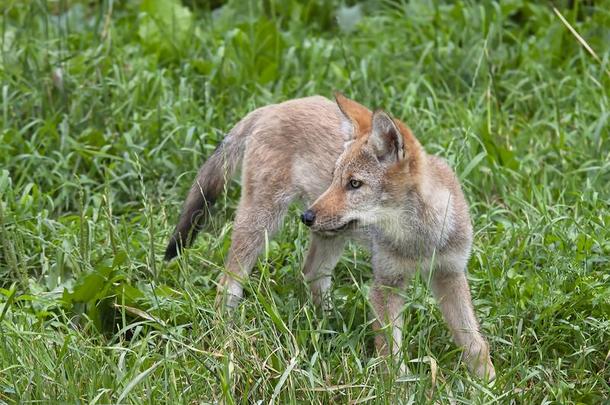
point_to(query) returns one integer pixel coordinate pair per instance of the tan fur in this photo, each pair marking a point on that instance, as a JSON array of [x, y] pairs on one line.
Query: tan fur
[[408, 208]]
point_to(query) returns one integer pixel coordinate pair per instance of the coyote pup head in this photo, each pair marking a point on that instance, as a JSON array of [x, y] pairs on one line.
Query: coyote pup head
[[380, 161]]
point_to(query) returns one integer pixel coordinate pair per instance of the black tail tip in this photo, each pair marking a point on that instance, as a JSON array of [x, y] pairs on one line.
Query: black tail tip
[[172, 250]]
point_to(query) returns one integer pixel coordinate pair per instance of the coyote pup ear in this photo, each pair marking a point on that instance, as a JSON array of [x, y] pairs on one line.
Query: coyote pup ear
[[358, 116], [386, 138]]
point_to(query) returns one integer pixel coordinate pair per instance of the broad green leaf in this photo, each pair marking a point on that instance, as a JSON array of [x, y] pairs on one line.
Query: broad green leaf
[[164, 26]]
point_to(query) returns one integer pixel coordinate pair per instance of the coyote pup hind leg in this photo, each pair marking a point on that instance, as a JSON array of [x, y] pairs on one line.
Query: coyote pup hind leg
[[253, 223]]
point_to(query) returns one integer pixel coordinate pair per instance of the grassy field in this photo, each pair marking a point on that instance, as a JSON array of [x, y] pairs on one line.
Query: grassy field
[[108, 108]]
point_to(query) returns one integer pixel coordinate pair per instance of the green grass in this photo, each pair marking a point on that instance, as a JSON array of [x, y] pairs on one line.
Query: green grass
[[94, 166]]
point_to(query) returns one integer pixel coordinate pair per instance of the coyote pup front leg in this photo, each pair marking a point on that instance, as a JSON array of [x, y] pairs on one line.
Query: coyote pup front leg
[[387, 306], [322, 257], [453, 296], [389, 283]]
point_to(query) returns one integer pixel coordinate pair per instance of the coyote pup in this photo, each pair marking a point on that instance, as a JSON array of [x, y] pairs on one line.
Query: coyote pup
[[364, 175]]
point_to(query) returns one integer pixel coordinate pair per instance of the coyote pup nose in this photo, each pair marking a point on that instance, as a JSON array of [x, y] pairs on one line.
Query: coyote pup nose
[[308, 217]]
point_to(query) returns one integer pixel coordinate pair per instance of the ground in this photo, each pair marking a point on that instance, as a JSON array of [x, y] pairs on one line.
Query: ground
[[108, 109]]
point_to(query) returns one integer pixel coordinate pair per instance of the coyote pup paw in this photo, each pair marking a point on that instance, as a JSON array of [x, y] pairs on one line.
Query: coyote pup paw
[[229, 293], [480, 365]]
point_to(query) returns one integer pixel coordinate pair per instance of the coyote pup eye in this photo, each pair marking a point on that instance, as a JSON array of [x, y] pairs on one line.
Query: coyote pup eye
[[354, 184]]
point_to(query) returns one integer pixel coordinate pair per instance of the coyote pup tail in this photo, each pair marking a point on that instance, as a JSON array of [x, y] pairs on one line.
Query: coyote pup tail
[[208, 185]]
